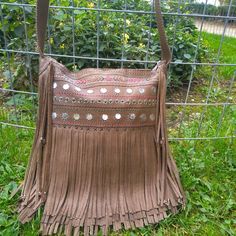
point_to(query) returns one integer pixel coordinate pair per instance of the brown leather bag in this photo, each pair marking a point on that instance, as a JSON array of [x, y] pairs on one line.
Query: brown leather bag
[[100, 156]]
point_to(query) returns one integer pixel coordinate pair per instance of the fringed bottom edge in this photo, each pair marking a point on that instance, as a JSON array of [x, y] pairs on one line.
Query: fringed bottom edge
[[28, 207], [71, 226]]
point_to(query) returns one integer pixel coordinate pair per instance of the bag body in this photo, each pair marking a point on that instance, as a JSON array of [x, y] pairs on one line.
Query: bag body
[[100, 156]]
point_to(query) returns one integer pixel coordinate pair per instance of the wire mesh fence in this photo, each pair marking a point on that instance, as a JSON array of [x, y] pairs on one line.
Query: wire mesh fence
[[82, 34]]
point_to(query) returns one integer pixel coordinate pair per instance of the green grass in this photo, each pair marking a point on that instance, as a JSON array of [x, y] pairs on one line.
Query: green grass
[[228, 49], [207, 169], [227, 53]]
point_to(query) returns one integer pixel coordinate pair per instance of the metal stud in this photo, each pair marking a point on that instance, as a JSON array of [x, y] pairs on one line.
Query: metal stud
[[118, 116], [54, 85], [141, 90], [117, 90], [152, 117], [103, 90], [132, 116], [64, 116], [76, 116], [66, 86], [143, 117], [78, 89], [154, 90], [105, 117], [54, 115], [90, 91], [129, 90], [89, 116]]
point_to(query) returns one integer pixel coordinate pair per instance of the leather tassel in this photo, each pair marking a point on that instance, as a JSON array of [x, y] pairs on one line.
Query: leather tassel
[[169, 175], [96, 189], [35, 183]]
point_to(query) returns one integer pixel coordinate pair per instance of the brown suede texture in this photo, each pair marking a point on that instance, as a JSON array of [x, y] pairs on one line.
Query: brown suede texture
[[100, 157]]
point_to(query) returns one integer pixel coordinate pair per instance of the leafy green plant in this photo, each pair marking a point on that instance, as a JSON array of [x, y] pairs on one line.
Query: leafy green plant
[[136, 41]]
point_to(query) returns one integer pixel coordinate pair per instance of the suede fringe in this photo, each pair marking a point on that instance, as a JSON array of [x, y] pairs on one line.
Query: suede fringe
[[97, 179], [36, 178]]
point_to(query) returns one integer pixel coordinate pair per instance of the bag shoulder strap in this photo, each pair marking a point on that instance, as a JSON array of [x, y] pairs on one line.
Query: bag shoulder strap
[[42, 9], [165, 50], [41, 25]]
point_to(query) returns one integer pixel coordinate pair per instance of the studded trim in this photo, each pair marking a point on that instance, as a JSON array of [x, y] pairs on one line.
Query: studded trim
[[104, 97], [62, 100]]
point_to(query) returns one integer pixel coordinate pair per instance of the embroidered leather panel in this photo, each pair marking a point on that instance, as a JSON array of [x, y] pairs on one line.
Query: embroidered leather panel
[[104, 98]]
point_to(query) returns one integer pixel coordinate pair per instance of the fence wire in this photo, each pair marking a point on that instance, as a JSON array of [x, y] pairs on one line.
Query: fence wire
[[208, 16]]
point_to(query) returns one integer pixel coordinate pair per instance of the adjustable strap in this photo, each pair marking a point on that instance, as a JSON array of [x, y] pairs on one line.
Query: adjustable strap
[[41, 25], [165, 50]]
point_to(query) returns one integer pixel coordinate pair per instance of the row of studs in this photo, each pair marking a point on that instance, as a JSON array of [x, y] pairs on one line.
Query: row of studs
[[105, 101], [104, 117], [105, 90]]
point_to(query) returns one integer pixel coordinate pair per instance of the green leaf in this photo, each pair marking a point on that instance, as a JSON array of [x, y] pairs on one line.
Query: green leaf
[[188, 56], [7, 74], [3, 219], [178, 61]]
